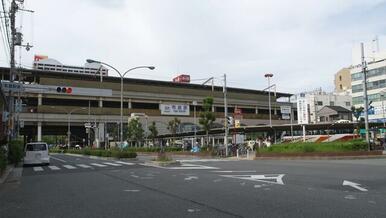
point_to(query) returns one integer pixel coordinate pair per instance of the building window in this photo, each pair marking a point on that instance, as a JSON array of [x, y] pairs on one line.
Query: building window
[[332, 103], [340, 86], [319, 103], [340, 78], [348, 103]]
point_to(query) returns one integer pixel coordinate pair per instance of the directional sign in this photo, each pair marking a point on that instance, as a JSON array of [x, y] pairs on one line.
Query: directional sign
[[268, 178], [354, 185]]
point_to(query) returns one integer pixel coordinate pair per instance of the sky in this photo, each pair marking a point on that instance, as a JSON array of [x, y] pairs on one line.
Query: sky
[[303, 43]]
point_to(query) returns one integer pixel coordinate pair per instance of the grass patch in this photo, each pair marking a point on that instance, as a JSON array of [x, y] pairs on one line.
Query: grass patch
[[308, 147]]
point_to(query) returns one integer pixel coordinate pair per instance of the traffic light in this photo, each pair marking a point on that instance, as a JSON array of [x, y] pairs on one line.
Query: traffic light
[[67, 90], [230, 121]]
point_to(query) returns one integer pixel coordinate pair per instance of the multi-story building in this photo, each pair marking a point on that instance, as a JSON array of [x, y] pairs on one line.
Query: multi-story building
[[317, 99], [376, 86], [52, 99], [342, 81], [52, 65]]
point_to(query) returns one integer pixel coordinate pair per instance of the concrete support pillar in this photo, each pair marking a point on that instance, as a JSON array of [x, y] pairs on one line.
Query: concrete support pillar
[[129, 104], [274, 110], [40, 99], [256, 110], [100, 102], [39, 131], [213, 108]]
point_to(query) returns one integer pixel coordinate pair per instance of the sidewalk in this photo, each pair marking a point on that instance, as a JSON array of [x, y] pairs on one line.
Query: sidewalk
[[6, 173]]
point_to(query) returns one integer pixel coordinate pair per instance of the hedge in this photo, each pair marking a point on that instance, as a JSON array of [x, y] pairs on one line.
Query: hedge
[[3, 159], [353, 145], [98, 152], [16, 151]]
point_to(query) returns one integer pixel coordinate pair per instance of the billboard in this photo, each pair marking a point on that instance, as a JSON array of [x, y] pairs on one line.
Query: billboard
[[175, 109], [302, 107]]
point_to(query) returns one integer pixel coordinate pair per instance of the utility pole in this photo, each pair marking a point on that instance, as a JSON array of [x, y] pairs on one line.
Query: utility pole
[[365, 98], [11, 99], [226, 115]]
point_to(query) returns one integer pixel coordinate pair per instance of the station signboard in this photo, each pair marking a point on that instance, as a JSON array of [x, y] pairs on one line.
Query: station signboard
[[175, 109]]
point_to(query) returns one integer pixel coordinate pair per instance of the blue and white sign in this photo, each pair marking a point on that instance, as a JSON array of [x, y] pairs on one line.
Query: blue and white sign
[[174, 109]]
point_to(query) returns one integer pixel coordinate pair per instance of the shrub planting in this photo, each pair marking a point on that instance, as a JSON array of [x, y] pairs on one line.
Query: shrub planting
[[16, 152]]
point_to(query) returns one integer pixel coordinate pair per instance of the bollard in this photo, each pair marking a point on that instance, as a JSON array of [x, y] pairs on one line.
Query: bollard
[[237, 153], [247, 154]]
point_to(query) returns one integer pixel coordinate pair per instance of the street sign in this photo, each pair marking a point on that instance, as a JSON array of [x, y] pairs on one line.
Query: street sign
[[237, 123], [285, 109], [302, 111], [285, 116], [87, 125], [12, 86]]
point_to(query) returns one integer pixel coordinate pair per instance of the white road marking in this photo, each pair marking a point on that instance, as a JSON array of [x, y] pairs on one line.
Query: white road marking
[[98, 165], [54, 167], [112, 164], [125, 163], [38, 169], [83, 165], [350, 197], [234, 171], [190, 178], [55, 158], [354, 185], [131, 190], [203, 160], [69, 167], [268, 178]]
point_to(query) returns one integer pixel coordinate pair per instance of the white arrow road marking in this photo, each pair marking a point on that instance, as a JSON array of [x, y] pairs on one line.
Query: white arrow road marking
[[190, 178], [268, 178], [354, 185]]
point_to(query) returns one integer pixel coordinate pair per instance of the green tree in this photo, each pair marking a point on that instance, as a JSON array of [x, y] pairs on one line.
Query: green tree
[[356, 112], [207, 117], [173, 125], [135, 131], [153, 132]]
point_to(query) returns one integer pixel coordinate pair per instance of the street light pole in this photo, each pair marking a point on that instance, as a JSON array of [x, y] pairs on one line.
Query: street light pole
[[383, 108], [195, 124], [122, 76], [268, 76], [365, 97], [69, 124]]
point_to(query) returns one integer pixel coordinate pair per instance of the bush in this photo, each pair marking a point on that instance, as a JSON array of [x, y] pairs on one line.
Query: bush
[[16, 152], [3, 159]]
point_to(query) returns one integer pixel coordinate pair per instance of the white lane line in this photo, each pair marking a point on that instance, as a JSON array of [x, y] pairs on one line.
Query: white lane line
[[83, 165], [354, 185], [131, 190], [98, 165], [234, 171], [38, 169], [54, 167], [55, 158], [69, 167], [125, 163], [112, 164]]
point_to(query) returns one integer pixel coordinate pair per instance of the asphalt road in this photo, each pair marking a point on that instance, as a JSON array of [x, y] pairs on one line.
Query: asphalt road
[[82, 187]]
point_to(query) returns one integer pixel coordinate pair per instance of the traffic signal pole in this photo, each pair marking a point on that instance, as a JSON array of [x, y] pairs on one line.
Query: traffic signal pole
[[226, 115], [365, 97]]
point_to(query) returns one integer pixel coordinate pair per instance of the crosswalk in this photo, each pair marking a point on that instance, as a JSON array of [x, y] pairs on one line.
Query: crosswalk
[[83, 166]]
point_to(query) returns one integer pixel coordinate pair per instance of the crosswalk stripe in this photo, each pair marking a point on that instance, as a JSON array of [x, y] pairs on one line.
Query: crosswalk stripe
[[125, 163], [38, 169], [98, 165], [84, 165], [112, 164], [69, 167], [54, 167]]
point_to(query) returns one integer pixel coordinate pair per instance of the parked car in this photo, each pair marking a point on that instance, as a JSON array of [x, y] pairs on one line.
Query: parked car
[[36, 153]]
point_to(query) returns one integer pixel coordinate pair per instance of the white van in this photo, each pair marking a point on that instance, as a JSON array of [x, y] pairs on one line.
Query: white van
[[36, 153]]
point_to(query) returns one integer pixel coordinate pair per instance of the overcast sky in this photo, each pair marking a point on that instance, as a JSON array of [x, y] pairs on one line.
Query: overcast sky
[[303, 43]]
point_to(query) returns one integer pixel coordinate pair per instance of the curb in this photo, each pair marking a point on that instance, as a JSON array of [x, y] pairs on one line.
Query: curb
[[6, 173], [98, 158]]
